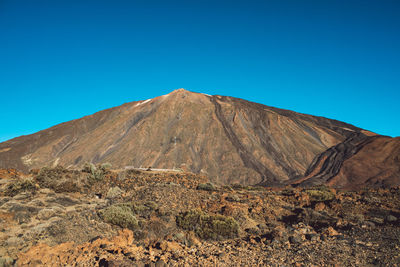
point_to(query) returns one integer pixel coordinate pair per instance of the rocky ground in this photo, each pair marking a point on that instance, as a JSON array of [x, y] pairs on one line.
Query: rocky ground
[[97, 217]]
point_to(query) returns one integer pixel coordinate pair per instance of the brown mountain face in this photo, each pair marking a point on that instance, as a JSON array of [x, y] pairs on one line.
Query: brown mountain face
[[230, 140], [358, 162]]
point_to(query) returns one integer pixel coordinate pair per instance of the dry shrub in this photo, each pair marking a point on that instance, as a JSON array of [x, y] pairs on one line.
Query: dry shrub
[[208, 226]]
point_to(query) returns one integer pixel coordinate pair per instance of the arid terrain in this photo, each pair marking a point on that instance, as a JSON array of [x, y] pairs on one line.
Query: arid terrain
[[227, 139], [230, 140], [188, 179], [358, 162], [101, 217]]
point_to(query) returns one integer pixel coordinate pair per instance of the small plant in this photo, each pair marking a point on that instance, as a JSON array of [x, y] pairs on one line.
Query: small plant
[[105, 166], [45, 176], [233, 198], [121, 215], [288, 192], [206, 187], [208, 226], [320, 194], [114, 192], [151, 205], [19, 186], [227, 188], [254, 188], [60, 179], [237, 186], [96, 172], [144, 209]]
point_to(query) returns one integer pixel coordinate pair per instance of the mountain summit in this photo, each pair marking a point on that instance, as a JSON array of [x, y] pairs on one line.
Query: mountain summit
[[230, 140]]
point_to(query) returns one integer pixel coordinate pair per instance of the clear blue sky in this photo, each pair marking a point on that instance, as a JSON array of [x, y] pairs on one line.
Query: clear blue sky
[[61, 60]]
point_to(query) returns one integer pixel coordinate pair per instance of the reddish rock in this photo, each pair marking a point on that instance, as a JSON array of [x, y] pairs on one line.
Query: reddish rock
[[358, 162], [229, 139], [331, 232], [319, 206]]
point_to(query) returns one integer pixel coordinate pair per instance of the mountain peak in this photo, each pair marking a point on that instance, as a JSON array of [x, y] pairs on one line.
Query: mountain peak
[[180, 91], [228, 139]]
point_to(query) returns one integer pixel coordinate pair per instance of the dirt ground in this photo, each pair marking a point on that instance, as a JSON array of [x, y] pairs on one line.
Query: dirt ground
[[60, 217]]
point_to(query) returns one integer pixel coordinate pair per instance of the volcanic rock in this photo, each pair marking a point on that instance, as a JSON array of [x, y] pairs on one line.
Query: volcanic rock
[[288, 234], [228, 139], [359, 162]]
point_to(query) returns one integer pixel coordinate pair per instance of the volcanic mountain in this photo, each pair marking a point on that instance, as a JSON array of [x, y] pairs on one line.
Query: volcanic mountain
[[228, 139]]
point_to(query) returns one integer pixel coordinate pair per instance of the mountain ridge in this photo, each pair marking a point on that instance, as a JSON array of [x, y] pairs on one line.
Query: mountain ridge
[[229, 139], [358, 162]]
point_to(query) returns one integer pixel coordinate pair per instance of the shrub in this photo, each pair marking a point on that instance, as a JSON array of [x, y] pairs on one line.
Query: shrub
[[20, 186], [143, 209], [227, 188], [96, 172], [151, 205], [288, 192], [320, 194], [88, 167], [46, 176], [105, 166], [206, 187], [121, 215], [114, 192], [254, 188], [233, 198], [237, 186], [208, 226], [60, 179]]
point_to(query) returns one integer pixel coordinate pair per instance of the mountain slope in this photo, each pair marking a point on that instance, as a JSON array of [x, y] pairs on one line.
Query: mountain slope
[[358, 162], [229, 139]]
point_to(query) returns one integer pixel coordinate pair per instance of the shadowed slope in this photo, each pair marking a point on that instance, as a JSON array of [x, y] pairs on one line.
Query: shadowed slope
[[358, 162]]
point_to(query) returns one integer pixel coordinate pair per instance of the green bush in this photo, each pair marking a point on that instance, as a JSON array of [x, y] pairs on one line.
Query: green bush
[[96, 172], [20, 186], [206, 187], [208, 226], [320, 194], [105, 166], [114, 192], [143, 209], [121, 215]]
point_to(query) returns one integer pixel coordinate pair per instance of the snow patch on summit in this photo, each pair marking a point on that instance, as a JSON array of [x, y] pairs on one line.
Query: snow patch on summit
[[144, 102]]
